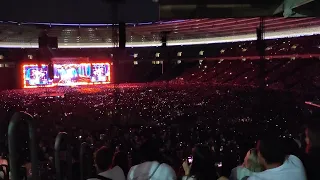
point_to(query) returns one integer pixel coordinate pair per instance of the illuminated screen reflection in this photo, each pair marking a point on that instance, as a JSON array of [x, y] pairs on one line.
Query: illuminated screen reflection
[[72, 74], [35, 75]]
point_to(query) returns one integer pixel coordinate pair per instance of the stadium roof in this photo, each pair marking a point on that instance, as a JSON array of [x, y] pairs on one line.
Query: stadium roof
[[237, 8], [183, 32], [134, 11]]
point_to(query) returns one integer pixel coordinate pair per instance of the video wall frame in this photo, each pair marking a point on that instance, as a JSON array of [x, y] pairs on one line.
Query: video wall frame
[[66, 74]]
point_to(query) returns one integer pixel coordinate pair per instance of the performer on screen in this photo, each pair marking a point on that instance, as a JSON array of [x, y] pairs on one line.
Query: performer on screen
[[37, 77], [64, 75]]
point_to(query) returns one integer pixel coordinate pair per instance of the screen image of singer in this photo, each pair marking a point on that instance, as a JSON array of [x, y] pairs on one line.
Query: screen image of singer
[[72, 74], [35, 75], [100, 72]]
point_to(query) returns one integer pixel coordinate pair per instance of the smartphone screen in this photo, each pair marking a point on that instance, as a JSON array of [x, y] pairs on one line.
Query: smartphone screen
[[219, 164], [190, 159]]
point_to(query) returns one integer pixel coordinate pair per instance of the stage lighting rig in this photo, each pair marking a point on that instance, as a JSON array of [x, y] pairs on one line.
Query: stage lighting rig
[[46, 44]]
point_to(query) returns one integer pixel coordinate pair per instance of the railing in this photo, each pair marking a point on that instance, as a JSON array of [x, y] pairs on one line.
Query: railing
[[62, 144], [86, 160], [17, 118]]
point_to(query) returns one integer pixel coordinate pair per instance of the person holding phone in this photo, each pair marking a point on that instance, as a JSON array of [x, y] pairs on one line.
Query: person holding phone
[[201, 165], [250, 165]]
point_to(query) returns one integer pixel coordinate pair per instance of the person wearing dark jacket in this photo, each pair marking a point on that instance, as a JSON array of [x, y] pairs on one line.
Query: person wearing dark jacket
[[312, 158], [202, 166], [103, 162]]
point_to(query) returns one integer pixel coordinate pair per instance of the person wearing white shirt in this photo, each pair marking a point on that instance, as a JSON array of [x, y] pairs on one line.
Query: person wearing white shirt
[[312, 156], [152, 168], [103, 160], [278, 165]]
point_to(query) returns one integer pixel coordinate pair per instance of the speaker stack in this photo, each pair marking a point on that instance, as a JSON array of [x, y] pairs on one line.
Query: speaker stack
[[119, 53], [50, 71], [48, 42], [45, 44], [122, 35]]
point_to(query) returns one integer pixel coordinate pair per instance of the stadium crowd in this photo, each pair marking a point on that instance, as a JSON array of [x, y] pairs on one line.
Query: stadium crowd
[[189, 131]]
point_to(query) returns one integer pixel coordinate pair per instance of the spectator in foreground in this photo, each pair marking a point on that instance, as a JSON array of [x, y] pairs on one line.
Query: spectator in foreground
[[250, 165], [312, 158], [278, 165], [120, 159], [103, 160], [202, 166], [151, 168], [3, 160], [4, 164]]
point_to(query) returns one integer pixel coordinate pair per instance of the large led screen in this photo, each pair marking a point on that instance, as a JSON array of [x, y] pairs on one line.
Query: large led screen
[[72, 74], [66, 74], [100, 72], [35, 75]]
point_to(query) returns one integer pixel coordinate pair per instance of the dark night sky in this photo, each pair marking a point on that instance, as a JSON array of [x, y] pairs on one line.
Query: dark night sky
[[76, 11]]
